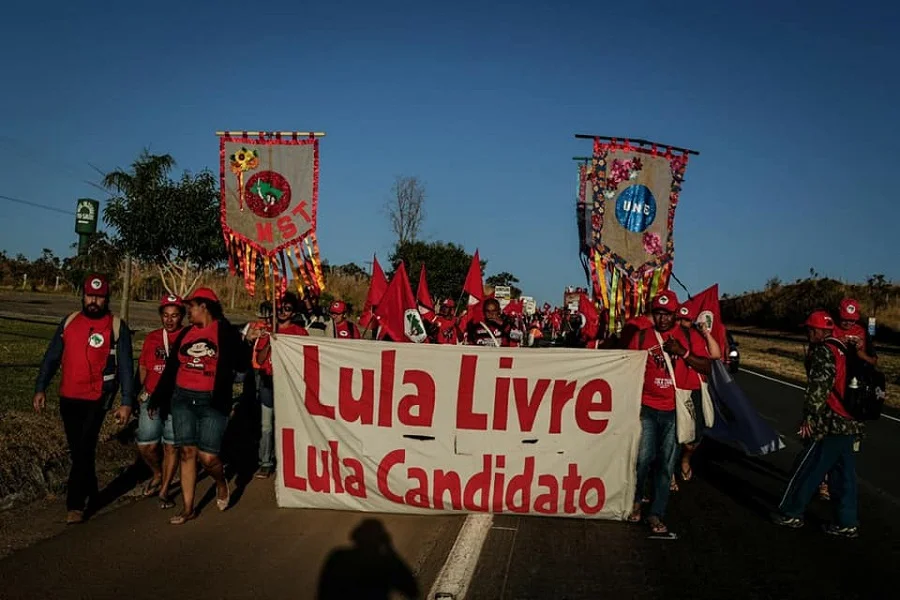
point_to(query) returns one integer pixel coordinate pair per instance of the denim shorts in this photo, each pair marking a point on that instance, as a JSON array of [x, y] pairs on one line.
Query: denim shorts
[[153, 430], [196, 422]]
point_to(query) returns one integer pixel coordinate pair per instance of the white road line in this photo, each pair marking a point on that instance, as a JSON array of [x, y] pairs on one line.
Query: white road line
[[793, 385], [798, 387], [456, 574]]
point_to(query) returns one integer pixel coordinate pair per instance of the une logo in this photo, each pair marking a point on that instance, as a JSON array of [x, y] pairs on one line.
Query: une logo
[[636, 208]]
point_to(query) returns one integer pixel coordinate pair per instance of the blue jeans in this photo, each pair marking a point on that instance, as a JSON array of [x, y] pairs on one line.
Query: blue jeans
[[152, 430], [267, 439], [658, 440], [833, 455], [196, 422]]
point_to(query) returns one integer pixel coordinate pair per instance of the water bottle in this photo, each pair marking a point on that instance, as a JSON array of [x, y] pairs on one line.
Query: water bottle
[[872, 327]]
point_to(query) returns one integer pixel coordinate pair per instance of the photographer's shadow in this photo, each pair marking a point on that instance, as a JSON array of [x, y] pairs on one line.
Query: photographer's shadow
[[370, 568]]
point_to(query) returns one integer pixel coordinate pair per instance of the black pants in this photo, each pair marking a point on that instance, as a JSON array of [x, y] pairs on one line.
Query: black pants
[[82, 420]]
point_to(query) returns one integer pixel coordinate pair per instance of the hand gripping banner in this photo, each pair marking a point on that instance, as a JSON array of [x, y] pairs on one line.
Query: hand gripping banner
[[270, 195], [628, 194], [418, 428]]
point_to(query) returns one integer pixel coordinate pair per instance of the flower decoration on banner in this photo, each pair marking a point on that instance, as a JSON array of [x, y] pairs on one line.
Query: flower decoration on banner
[[242, 161], [652, 243]]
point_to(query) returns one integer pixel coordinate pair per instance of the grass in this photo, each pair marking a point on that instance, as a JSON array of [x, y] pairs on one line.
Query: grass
[[786, 358], [29, 440]]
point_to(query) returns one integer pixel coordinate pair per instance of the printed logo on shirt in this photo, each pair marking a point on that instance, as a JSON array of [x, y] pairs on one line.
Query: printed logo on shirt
[[95, 340], [200, 353], [343, 333]]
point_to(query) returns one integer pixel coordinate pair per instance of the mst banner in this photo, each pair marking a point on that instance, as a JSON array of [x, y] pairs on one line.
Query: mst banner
[[415, 428]]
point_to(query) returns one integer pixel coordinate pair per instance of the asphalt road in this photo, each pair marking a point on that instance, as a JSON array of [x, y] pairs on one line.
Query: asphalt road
[[726, 546]]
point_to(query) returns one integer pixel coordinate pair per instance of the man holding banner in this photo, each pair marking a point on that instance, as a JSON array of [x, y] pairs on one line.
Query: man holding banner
[[672, 361]]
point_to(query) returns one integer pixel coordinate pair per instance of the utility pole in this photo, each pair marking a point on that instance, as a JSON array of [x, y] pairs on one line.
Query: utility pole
[[126, 290]]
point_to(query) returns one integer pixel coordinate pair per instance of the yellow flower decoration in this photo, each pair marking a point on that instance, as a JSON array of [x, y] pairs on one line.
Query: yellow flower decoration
[[244, 160]]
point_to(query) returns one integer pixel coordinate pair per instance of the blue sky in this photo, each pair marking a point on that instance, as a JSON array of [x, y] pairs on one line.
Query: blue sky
[[793, 109]]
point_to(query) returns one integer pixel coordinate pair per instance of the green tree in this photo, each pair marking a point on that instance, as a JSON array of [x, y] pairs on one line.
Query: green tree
[[101, 255], [446, 265], [173, 225], [508, 279]]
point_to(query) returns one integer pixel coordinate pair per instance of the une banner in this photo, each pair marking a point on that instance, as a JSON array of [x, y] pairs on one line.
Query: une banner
[[409, 428]]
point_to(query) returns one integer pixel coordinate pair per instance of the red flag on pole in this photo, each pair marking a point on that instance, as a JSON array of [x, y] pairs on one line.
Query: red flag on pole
[[397, 314], [377, 287], [591, 324], [474, 286], [423, 296], [706, 306]]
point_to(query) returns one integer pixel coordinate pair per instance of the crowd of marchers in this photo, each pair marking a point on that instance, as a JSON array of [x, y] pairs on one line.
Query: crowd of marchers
[[181, 392]]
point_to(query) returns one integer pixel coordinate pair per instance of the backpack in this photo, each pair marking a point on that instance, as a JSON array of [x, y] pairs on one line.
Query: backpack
[[864, 389]]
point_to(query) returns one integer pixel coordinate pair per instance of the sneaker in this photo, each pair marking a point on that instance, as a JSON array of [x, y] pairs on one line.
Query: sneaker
[[264, 472], [74, 517], [786, 521], [844, 532]]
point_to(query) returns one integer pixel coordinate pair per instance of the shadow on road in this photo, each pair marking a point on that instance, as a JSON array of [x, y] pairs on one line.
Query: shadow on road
[[749, 481], [370, 568]]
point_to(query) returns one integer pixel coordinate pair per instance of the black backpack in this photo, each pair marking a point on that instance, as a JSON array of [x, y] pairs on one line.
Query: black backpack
[[864, 390]]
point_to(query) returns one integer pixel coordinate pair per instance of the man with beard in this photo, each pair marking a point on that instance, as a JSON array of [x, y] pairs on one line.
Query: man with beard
[[93, 349], [494, 330]]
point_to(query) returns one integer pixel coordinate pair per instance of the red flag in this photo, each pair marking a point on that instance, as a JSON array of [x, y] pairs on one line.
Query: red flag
[[706, 306], [423, 296], [397, 314], [377, 286], [474, 286], [591, 324]]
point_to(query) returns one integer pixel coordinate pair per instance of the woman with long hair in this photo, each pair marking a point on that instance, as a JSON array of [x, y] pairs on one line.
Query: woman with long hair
[[196, 389]]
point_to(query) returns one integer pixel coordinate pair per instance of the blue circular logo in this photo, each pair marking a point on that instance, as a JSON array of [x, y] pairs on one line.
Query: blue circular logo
[[636, 208]]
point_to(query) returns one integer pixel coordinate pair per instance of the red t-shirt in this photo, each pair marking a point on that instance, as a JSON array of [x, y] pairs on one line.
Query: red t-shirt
[[263, 342], [346, 331], [855, 331], [447, 332], [686, 377], [199, 356], [659, 391], [153, 356]]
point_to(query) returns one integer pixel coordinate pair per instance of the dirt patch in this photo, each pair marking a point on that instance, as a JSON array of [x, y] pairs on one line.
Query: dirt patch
[[786, 358]]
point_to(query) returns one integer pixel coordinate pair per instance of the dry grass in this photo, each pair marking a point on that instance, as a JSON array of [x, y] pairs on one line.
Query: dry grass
[[785, 358]]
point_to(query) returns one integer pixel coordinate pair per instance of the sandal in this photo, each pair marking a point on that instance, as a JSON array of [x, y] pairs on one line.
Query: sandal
[[673, 486], [635, 516], [657, 526], [152, 487], [183, 518], [688, 474], [223, 503], [165, 503]]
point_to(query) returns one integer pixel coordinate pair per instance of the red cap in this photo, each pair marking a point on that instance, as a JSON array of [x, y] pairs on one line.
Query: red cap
[[203, 293], [338, 307], [820, 320], [171, 300], [449, 303], [666, 301], [96, 285], [687, 312], [849, 310]]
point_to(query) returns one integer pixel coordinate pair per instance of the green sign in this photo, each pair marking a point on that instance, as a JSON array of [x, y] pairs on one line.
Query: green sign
[[86, 216]]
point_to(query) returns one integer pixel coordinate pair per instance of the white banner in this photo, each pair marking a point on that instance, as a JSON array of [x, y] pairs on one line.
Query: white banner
[[411, 428]]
